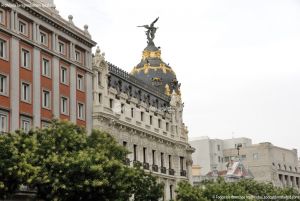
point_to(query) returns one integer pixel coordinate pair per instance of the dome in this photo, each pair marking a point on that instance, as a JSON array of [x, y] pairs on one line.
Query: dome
[[154, 71]]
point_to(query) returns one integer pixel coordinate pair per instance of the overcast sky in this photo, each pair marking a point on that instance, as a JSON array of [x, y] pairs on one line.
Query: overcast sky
[[238, 60]]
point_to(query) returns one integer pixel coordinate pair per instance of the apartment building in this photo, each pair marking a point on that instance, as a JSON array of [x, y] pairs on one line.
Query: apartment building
[[45, 67]]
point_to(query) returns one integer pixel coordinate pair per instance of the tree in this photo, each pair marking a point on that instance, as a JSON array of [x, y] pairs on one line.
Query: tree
[[16, 167], [63, 163], [245, 189]]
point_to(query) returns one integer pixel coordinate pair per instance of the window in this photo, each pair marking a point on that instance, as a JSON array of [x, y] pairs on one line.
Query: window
[[170, 162], [153, 157], [181, 163], [132, 112], [111, 103], [80, 111], [46, 99], [23, 27], [124, 144], [162, 159], [151, 119], [159, 123], [64, 105], [255, 156], [3, 85], [80, 82], [144, 154], [45, 124], [44, 38], [77, 56], [167, 126], [122, 108], [219, 159], [25, 124], [135, 152], [3, 49], [46, 68], [2, 16], [171, 192], [63, 75], [25, 58], [219, 147], [99, 97], [99, 78], [3, 122], [142, 116], [61, 48], [25, 92]]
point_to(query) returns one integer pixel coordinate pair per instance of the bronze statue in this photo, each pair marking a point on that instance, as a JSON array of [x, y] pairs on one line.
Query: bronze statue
[[150, 33]]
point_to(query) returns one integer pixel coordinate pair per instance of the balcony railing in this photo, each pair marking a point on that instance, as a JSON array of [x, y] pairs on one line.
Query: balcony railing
[[171, 172], [163, 170], [146, 166], [155, 168], [183, 173], [127, 161], [137, 163]]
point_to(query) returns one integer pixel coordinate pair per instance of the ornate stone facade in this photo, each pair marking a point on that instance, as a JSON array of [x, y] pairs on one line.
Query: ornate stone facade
[[145, 120]]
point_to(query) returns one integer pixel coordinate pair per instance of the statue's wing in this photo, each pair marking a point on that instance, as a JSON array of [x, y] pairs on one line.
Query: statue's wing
[[154, 22], [145, 26]]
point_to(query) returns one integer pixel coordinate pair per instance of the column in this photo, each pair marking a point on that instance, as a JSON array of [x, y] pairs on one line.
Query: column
[[36, 87], [54, 42], [12, 20], [55, 84], [34, 32], [15, 85], [89, 101], [73, 80]]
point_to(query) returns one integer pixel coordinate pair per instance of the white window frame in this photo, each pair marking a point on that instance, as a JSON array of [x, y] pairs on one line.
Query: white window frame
[[79, 104], [6, 85], [46, 72], [78, 56], [45, 124], [67, 105], [46, 38], [23, 22], [3, 116], [25, 58], [24, 123], [5, 48], [62, 44], [66, 82], [2, 16], [82, 85], [48, 102], [29, 92]]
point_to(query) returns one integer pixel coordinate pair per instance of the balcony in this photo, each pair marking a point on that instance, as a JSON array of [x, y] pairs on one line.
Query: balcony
[[155, 168], [146, 166], [183, 173], [163, 170], [137, 163], [126, 161], [171, 172]]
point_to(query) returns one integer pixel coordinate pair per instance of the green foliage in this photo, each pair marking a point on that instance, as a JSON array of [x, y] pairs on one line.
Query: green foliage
[[16, 167], [64, 163], [245, 189]]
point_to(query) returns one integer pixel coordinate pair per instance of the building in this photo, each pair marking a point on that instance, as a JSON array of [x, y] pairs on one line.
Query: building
[[266, 162], [209, 152], [45, 67], [269, 163], [143, 111]]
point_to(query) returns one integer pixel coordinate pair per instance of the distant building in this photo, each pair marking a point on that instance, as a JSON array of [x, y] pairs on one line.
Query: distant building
[[269, 163], [209, 152]]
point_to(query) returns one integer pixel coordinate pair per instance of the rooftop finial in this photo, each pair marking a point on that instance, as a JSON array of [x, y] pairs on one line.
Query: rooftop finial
[[150, 33], [70, 17]]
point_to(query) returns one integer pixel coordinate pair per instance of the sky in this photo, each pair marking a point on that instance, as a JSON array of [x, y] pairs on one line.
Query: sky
[[238, 61]]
